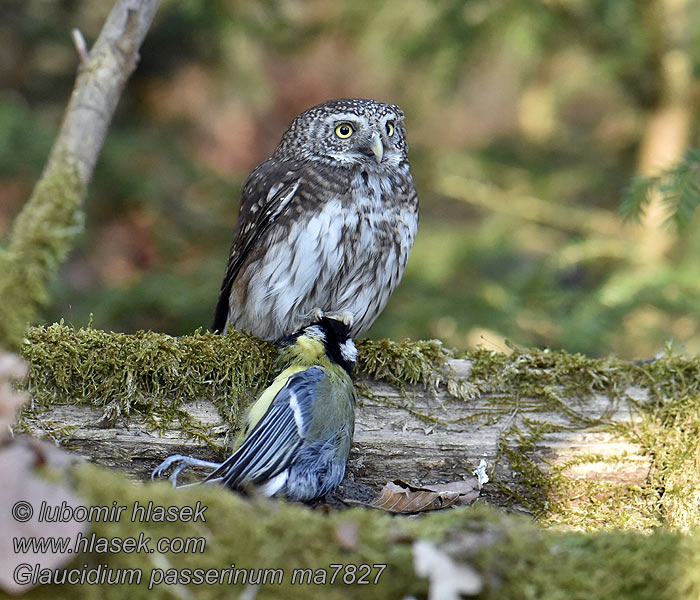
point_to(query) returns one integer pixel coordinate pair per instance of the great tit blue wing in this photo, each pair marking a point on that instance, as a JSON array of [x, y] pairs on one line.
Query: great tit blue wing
[[269, 448]]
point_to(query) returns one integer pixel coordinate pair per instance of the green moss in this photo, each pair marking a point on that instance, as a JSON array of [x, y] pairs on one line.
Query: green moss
[[523, 387], [39, 241], [404, 362], [671, 435], [147, 373], [666, 426]]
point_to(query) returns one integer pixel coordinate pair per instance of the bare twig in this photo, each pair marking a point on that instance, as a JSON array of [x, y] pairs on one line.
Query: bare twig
[[43, 232], [110, 63], [80, 45]]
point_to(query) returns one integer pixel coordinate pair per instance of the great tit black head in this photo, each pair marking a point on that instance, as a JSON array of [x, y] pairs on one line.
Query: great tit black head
[[327, 336]]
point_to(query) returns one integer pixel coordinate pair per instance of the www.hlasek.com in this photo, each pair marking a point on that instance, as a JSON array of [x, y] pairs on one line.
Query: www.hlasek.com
[[26, 573]]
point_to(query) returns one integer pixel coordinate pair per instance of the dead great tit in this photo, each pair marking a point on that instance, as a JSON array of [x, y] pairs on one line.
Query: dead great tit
[[297, 435]]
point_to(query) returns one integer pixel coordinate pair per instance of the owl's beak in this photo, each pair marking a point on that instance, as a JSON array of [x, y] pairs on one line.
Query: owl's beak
[[376, 147]]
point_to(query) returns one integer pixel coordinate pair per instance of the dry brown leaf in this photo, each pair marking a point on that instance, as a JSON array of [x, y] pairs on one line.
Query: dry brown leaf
[[21, 494], [11, 368], [400, 497], [468, 489]]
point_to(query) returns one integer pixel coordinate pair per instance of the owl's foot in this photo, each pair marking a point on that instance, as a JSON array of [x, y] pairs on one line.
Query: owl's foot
[[344, 316], [314, 315]]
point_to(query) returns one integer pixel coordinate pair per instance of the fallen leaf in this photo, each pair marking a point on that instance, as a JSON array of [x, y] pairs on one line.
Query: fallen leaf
[[448, 580], [467, 490], [21, 494], [400, 497]]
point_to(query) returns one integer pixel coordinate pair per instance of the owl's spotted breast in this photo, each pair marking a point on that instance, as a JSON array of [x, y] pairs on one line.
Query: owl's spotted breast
[[316, 232]]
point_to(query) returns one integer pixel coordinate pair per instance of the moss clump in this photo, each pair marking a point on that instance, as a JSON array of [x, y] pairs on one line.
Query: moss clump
[[670, 433], [39, 241], [148, 373], [404, 362], [514, 558]]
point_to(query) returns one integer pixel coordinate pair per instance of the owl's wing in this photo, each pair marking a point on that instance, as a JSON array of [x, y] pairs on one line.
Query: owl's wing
[[269, 448], [266, 193]]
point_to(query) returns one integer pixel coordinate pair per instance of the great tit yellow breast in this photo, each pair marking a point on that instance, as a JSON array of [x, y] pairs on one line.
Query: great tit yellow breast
[[258, 409]]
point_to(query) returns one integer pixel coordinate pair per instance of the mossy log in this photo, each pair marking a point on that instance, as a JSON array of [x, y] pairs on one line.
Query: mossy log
[[418, 434], [569, 439]]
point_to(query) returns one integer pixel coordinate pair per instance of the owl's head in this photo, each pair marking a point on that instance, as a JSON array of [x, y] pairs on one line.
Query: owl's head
[[348, 131]]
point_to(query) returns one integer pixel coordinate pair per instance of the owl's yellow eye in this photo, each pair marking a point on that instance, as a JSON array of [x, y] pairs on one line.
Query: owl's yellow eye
[[344, 131], [389, 128]]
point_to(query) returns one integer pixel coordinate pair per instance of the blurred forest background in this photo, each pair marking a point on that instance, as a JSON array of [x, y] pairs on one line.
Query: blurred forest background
[[527, 121]]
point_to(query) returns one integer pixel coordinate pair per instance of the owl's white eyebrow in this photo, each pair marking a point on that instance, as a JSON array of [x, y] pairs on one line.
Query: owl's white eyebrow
[[340, 117]]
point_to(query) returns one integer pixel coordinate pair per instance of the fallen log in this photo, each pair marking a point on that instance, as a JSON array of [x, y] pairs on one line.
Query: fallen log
[[565, 437]]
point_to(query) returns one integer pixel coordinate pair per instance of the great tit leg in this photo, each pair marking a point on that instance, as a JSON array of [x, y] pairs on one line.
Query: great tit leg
[[184, 463]]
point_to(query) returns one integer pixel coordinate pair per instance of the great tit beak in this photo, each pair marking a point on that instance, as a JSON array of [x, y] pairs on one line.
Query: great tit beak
[[375, 147]]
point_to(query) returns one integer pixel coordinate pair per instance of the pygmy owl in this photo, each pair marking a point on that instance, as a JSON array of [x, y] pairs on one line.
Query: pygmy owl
[[325, 225]]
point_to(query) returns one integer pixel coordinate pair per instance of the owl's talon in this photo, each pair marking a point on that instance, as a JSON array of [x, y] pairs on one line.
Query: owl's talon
[[315, 314], [344, 316]]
